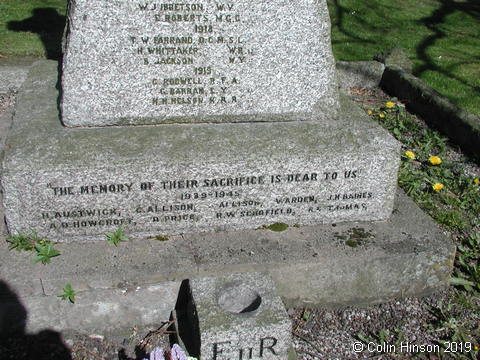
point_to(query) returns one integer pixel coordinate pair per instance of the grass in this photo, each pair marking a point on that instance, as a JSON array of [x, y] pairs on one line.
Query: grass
[[31, 28], [456, 207], [442, 39]]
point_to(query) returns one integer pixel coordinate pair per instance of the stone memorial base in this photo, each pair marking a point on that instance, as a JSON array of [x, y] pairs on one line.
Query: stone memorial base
[[238, 316], [137, 283], [71, 184]]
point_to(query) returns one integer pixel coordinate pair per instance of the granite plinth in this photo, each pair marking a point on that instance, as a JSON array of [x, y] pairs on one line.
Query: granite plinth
[[238, 316], [131, 62], [76, 184], [406, 255]]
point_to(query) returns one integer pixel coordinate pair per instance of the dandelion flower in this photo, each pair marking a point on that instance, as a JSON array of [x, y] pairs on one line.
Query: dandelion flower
[[476, 181], [410, 154], [437, 186], [381, 115], [390, 104], [369, 112], [435, 160]]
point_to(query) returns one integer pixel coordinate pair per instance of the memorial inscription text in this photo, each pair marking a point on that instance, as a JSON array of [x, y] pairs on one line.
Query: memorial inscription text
[[168, 201], [201, 82]]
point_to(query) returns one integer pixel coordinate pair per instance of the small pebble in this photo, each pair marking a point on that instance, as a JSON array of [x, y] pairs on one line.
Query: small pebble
[[96, 336], [69, 342]]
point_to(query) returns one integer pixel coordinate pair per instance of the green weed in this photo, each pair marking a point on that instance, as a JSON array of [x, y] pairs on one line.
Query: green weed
[[32, 242], [451, 218], [45, 252], [278, 226], [306, 315], [440, 186], [23, 242], [467, 271], [451, 326], [116, 237], [68, 293]]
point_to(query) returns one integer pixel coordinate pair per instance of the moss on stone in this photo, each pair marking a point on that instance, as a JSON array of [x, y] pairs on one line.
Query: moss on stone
[[354, 237], [159, 238], [359, 234], [278, 226], [352, 243]]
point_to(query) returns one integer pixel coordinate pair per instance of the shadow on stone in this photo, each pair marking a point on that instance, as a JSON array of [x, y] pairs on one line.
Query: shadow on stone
[[15, 343], [139, 354], [188, 332], [49, 25]]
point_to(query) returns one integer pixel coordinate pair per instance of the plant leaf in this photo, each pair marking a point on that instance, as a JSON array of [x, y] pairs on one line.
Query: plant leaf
[[460, 281]]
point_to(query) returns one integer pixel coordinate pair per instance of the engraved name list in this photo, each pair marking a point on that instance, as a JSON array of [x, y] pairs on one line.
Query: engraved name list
[[166, 203], [199, 80]]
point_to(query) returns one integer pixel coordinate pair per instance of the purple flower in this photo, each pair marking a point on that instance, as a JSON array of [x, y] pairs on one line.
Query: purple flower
[[178, 353], [157, 354]]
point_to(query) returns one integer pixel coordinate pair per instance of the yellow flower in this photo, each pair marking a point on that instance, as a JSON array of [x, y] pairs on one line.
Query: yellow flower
[[410, 154], [381, 115], [369, 112], [437, 186], [476, 181], [390, 104], [435, 160]]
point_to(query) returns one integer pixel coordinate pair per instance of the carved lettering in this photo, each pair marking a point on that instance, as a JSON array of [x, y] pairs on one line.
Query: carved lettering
[[263, 345], [232, 198]]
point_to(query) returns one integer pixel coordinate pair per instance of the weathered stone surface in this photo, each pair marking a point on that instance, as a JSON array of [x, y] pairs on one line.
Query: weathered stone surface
[[238, 316], [77, 184], [359, 74], [406, 255], [395, 57], [247, 60], [6, 116], [340, 264], [13, 72], [100, 311]]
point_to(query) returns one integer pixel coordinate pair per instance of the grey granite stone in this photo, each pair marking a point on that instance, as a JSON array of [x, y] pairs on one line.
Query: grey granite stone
[[6, 116], [103, 310], [395, 57], [238, 316], [359, 74], [77, 184], [339, 264], [12, 77], [138, 62], [13, 72], [406, 255]]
